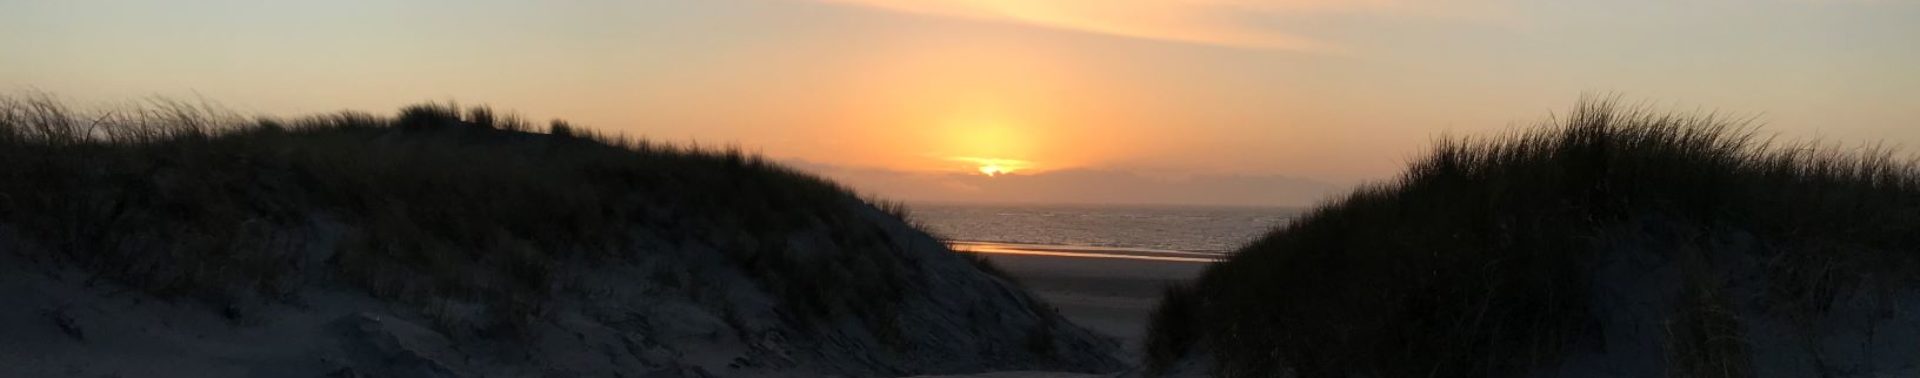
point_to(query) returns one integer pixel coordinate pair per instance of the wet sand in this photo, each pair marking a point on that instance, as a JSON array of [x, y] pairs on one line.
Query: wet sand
[[1107, 290]]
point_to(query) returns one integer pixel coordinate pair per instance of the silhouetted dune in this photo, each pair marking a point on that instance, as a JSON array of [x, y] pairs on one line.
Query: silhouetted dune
[[176, 240], [1609, 242]]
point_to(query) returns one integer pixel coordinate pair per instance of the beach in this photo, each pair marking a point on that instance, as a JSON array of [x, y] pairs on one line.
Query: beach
[[1107, 290]]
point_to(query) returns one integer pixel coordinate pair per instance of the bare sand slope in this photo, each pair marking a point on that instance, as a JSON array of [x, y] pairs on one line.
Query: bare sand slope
[[607, 319]]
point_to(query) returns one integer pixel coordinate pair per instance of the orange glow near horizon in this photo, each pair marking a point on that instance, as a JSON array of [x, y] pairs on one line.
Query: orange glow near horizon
[[1341, 91], [953, 110]]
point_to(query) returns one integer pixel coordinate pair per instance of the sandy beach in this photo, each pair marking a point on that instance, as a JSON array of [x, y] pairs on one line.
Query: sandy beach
[[1108, 290]]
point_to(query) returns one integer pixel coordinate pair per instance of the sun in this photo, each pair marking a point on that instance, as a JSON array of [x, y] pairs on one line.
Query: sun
[[994, 167], [992, 170]]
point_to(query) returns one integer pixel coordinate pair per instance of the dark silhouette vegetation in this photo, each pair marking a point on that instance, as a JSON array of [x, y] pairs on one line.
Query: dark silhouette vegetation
[[441, 206], [1483, 258]]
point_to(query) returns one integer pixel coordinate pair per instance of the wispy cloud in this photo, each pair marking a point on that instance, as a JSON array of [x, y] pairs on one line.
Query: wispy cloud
[[1235, 23], [1854, 2]]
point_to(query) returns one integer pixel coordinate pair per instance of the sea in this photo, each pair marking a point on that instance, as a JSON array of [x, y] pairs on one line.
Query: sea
[[1198, 229]]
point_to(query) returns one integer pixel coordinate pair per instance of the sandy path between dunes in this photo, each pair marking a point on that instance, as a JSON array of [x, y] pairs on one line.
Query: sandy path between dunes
[[1015, 374], [1110, 295]]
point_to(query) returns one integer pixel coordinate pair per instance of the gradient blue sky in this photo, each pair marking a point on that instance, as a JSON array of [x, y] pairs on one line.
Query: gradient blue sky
[[907, 97]]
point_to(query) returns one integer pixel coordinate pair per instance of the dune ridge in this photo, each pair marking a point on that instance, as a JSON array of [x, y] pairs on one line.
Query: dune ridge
[[177, 239], [1609, 241]]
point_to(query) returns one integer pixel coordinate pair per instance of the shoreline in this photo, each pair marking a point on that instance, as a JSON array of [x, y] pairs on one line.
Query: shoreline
[[1061, 250]]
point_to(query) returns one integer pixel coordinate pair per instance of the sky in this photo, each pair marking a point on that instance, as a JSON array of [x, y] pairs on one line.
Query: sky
[[1220, 102]]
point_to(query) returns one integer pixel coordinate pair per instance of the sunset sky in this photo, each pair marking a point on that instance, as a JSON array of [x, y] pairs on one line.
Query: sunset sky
[[1271, 102]]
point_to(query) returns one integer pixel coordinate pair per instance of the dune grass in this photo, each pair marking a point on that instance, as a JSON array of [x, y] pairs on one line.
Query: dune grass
[[1477, 261], [437, 204]]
